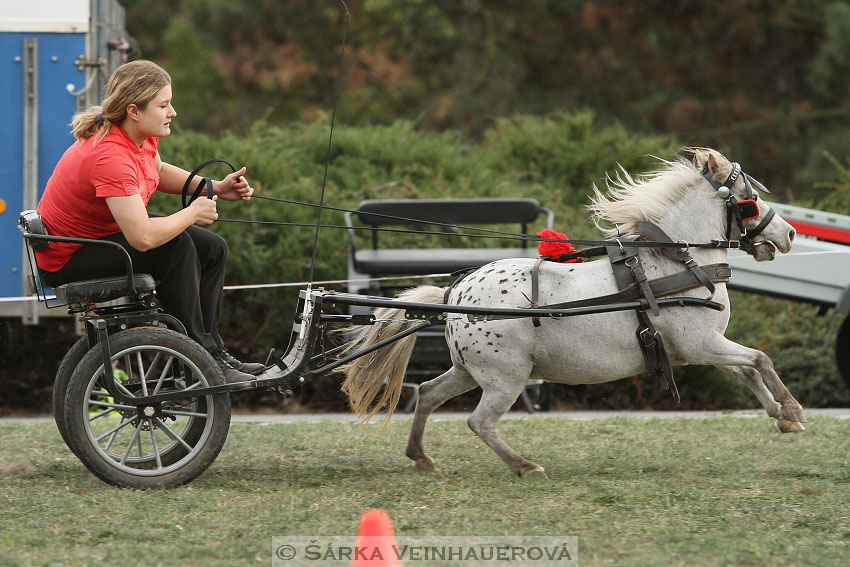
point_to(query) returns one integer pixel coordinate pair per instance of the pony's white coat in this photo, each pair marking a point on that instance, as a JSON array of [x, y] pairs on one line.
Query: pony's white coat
[[501, 356]]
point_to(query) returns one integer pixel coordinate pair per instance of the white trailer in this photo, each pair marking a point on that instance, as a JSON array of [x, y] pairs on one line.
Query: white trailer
[[817, 271]]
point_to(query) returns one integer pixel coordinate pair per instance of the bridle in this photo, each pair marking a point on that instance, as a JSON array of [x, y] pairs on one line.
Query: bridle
[[742, 210]]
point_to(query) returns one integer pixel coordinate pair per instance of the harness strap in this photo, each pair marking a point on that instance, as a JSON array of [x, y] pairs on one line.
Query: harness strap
[[535, 288], [655, 355], [631, 278], [642, 281], [652, 232], [661, 287], [627, 269], [459, 277], [762, 225]]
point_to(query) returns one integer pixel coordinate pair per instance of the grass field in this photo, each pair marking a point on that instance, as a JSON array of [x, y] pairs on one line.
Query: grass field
[[728, 491]]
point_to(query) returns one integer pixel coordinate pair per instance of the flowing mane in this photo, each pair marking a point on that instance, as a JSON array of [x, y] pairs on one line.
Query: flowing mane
[[630, 201]]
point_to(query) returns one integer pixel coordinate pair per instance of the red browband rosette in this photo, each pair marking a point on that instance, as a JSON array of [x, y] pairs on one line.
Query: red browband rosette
[[554, 250]]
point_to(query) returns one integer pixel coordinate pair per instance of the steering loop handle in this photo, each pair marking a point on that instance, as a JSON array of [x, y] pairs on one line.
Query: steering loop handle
[[206, 182]]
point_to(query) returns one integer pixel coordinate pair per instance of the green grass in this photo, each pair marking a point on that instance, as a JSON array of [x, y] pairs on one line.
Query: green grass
[[728, 491]]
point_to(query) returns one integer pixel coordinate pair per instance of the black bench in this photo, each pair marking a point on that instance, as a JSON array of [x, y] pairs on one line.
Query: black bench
[[376, 261], [368, 263]]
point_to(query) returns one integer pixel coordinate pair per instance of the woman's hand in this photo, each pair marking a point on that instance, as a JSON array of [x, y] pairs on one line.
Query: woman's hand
[[204, 211], [234, 187]]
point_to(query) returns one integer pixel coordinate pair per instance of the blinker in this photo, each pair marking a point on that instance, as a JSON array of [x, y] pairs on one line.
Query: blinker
[[748, 209], [757, 183]]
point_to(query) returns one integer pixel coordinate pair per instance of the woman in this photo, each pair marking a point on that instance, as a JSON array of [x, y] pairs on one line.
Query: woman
[[100, 189]]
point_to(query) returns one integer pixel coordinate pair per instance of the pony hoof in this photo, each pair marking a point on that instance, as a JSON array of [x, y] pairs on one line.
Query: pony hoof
[[424, 464], [792, 414], [536, 472], [786, 426], [797, 415]]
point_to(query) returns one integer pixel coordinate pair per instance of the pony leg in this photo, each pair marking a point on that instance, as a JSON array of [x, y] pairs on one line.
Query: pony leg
[[433, 394], [722, 352], [495, 401], [752, 379]]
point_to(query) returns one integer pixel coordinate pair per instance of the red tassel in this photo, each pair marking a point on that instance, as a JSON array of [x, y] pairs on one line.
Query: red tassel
[[555, 249]]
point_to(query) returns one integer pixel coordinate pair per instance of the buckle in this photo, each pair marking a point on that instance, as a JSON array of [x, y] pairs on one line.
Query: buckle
[[633, 259], [647, 337]]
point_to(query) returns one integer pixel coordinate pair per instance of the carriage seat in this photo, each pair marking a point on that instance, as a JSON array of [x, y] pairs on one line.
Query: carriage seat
[[374, 261], [96, 290], [103, 289]]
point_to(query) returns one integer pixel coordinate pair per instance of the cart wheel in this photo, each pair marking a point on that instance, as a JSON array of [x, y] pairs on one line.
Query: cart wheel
[[60, 384], [169, 449], [842, 350]]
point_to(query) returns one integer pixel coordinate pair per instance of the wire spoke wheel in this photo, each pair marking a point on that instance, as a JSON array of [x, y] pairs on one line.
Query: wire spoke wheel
[[69, 362], [159, 445]]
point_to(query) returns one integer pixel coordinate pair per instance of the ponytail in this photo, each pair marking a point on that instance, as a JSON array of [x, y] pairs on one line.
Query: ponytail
[[85, 124]]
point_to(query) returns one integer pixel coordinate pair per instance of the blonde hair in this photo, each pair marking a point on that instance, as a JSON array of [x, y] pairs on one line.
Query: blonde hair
[[136, 82]]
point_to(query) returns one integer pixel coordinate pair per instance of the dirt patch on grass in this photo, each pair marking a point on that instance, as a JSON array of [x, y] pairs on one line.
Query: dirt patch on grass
[[14, 469]]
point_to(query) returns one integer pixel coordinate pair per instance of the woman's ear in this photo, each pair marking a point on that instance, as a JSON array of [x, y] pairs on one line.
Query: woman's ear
[[133, 111]]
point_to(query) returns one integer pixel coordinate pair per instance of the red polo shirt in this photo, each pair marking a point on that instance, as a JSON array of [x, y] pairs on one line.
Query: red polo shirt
[[74, 201]]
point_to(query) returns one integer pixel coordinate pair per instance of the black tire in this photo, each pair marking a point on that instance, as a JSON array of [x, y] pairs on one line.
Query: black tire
[[842, 350], [151, 453], [66, 369], [60, 384]]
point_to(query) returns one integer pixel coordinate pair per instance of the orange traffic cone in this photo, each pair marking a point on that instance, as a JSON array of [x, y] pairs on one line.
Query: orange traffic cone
[[376, 545]]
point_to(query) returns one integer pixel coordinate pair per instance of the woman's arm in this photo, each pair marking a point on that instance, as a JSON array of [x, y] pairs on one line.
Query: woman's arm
[[234, 187], [144, 233]]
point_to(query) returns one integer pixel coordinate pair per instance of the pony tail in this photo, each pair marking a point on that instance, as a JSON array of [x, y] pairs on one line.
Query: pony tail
[[85, 124], [366, 376]]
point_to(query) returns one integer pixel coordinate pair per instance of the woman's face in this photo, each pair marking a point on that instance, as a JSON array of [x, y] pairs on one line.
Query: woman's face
[[155, 117]]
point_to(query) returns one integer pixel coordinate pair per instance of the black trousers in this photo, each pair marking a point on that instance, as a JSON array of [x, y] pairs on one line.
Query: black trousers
[[189, 268]]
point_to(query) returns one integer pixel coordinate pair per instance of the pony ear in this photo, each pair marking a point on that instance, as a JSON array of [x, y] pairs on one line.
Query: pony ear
[[719, 167]]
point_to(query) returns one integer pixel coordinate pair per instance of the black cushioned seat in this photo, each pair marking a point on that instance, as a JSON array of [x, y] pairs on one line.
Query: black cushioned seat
[[429, 261], [452, 211], [103, 289]]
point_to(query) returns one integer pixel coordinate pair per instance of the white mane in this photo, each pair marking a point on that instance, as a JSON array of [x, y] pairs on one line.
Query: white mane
[[631, 201]]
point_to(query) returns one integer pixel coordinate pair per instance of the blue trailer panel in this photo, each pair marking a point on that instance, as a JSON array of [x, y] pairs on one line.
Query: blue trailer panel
[[56, 105]]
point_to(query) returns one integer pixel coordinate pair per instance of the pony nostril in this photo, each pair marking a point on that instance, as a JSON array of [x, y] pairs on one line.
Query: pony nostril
[[791, 234]]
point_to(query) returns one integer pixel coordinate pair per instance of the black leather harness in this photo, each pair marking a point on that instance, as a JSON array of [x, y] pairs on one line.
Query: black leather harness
[[634, 285]]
